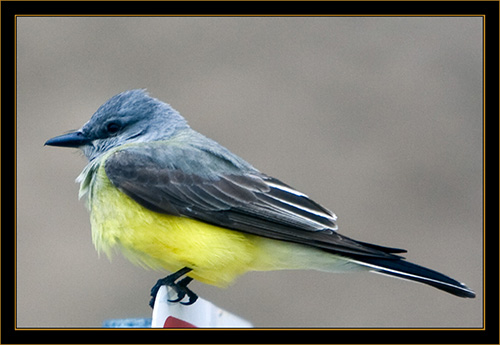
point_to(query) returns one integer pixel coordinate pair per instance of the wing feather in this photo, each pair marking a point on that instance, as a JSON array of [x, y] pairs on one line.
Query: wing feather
[[161, 178]]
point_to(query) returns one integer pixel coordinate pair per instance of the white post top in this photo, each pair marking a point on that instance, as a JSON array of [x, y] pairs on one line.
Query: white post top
[[200, 314]]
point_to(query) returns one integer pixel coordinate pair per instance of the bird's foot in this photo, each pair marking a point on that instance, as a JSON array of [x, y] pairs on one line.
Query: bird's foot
[[180, 287]]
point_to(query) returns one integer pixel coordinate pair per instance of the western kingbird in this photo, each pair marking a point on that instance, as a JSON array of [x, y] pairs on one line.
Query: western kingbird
[[170, 198]]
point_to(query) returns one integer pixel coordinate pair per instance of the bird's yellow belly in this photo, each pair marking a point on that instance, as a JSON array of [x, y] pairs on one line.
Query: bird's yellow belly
[[159, 241]]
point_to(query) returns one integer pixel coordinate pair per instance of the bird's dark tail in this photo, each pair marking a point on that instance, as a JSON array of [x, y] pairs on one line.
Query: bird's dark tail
[[400, 268]]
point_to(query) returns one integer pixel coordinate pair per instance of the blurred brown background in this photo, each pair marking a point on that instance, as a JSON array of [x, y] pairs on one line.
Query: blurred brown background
[[376, 118]]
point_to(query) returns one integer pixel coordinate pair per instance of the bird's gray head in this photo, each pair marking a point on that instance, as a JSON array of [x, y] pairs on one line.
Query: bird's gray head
[[131, 116]]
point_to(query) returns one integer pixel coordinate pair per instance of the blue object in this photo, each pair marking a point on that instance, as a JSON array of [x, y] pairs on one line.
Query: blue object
[[127, 323]]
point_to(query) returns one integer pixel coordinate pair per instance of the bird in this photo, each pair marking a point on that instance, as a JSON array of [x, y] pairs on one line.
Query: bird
[[170, 199]]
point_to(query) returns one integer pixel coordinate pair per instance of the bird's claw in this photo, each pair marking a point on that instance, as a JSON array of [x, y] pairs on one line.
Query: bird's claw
[[180, 288], [182, 291]]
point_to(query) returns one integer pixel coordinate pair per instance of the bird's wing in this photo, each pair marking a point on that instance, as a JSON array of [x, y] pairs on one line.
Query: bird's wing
[[189, 181]]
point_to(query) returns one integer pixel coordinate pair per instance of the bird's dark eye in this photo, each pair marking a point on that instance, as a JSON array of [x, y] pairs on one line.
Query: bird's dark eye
[[113, 127]]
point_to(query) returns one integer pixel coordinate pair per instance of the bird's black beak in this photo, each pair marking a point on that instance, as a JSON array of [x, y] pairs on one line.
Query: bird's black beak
[[74, 139]]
